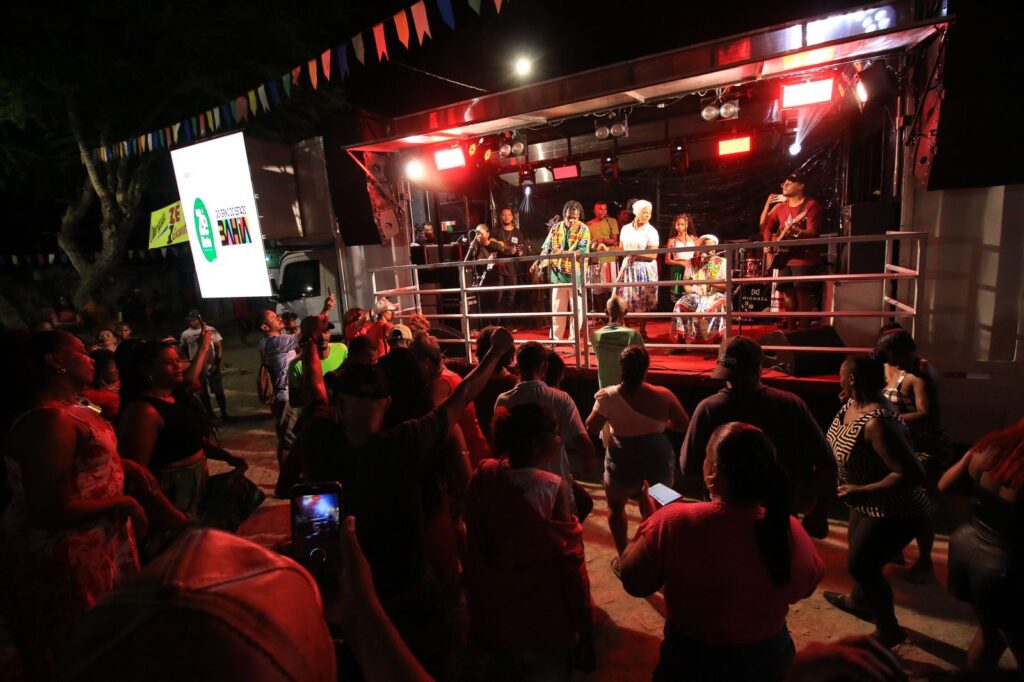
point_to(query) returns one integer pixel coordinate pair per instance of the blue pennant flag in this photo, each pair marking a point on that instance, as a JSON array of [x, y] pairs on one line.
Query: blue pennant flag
[[445, 6], [275, 93]]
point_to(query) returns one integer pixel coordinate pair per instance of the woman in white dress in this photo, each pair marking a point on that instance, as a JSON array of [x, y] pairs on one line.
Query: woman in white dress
[[640, 235]]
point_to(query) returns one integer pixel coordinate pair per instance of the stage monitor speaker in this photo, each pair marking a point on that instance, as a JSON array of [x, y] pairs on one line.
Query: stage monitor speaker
[[856, 220], [799, 364], [349, 197]]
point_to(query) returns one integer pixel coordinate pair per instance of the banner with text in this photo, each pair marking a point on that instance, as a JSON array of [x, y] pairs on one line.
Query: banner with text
[[220, 211], [167, 227]]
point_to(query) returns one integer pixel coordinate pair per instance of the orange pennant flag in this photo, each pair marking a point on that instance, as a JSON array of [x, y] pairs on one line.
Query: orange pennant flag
[[296, 72], [402, 28], [419, 18], [378, 37], [312, 72]]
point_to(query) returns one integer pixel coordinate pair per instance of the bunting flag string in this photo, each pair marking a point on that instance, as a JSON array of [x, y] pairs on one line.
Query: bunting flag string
[[265, 96]]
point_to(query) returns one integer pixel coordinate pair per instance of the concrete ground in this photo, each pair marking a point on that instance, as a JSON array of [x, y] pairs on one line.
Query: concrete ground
[[629, 629]]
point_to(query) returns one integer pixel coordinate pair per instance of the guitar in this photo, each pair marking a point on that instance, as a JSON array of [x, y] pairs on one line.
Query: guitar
[[776, 258]]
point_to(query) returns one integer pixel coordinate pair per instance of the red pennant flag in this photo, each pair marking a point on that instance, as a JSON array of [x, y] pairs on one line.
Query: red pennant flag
[[497, 5], [402, 27], [378, 37], [312, 72], [325, 62], [419, 19], [202, 125], [357, 47], [296, 72], [243, 108]]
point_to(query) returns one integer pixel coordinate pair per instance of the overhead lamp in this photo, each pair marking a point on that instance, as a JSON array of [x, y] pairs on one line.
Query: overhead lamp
[[679, 158], [526, 176], [505, 150], [566, 172], [523, 66], [709, 113], [601, 131], [734, 145], [873, 82], [795, 148], [518, 148], [718, 109], [807, 93], [414, 170], [609, 168], [620, 128], [512, 144], [446, 159]]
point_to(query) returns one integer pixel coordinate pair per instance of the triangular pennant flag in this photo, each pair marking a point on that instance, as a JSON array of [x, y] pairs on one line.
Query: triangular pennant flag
[[243, 108], [226, 115], [275, 93], [142, 144], [378, 37], [14, 259], [234, 110], [497, 6], [343, 60], [41, 259], [262, 92], [445, 6], [176, 127], [312, 72], [357, 47], [419, 19], [188, 131], [252, 102], [216, 118], [475, 5], [51, 257], [402, 27], [202, 125], [64, 259], [325, 62], [286, 82], [195, 128], [135, 147], [167, 136], [158, 140], [209, 120], [296, 72]]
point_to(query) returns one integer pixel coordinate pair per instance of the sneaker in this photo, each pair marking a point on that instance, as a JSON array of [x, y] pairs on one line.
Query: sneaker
[[890, 638], [844, 603]]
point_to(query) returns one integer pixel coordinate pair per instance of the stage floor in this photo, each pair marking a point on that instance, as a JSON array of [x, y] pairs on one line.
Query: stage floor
[[682, 365]]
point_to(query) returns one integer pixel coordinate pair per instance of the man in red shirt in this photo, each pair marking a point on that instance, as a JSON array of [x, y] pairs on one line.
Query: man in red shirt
[[786, 217]]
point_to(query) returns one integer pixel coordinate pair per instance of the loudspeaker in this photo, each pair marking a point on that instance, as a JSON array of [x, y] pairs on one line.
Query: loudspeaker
[[801, 364], [856, 220], [351, 202]]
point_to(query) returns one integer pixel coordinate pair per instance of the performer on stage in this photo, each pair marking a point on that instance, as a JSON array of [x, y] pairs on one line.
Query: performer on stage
[[702, 298], [604, 236], [794, 216], [638, 236], [506, 242], [569, 234], [684, 233]]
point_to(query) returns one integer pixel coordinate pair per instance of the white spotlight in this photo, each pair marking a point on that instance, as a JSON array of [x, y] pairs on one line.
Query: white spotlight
[[709, 113], [414, 170], [523, 66], [794, 149], [528, 190]]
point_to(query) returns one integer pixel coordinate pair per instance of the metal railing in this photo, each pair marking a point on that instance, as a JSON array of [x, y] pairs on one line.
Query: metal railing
[[890, 304]]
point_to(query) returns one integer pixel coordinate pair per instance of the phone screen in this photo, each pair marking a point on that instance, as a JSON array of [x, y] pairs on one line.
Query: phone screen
[[663, 494], [316, 524]]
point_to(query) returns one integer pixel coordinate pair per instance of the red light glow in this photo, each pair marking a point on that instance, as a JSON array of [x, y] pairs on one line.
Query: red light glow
[[566, 172], [449, 158], [808, 58], [734, 145], [803, 94]]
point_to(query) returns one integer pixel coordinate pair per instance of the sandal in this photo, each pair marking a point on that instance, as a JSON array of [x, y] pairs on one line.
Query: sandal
[[844, 603], [616, 568], [890, 638]]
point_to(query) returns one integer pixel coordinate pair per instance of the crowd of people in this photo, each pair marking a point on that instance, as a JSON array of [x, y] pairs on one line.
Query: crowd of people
[[463, 553]]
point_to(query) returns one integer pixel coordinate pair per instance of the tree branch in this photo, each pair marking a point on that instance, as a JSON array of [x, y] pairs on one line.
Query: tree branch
[[90, 168]]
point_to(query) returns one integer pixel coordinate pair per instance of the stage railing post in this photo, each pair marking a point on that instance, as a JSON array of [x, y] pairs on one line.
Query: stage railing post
[[465, 311], [887, 288], [918, 282], [727, 332], [575, 305], [583, 340]]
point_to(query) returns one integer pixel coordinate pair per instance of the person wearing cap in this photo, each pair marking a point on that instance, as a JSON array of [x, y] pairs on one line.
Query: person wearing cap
[[276, 352], [803, 452], [789, 216], [400, 336], [640, 269], [702, 298], [380, 471], [380, 329], [215, 606], [210, 377], [568, 235]]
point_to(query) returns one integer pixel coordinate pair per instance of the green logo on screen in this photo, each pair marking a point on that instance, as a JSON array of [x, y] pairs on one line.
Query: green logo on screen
[[204, 231]]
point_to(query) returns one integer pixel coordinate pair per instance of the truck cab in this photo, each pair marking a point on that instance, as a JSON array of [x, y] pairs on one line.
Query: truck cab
[[304, 281]]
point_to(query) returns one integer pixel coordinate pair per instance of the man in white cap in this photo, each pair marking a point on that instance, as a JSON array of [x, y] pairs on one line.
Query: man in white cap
[[378, 332]]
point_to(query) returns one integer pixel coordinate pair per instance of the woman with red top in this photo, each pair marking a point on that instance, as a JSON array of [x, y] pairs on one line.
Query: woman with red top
[[525, 571], [727, 603], [105, 389]]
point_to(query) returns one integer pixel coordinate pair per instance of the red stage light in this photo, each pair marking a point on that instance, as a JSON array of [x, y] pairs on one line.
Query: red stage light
[[449, 158], [566, 172], [734, 145], [472, 149], [487, 154], [810, 92]]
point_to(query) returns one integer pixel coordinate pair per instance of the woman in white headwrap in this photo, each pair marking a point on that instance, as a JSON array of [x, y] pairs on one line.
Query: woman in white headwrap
[[702, 298], [639, 235]]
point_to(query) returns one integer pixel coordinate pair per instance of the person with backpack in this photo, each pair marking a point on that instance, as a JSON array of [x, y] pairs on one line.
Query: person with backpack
[[277, 350]]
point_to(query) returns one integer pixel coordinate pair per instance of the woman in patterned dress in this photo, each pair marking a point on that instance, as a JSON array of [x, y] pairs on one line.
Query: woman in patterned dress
[[880, 480], [640, 235], [69, 530], [702, 298]]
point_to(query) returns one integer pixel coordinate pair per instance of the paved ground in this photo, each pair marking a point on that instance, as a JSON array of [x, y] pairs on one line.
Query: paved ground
[[629, 629]]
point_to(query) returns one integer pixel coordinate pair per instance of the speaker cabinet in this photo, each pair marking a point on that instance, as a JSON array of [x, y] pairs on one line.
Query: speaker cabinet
[[857, 220], [801, 364]]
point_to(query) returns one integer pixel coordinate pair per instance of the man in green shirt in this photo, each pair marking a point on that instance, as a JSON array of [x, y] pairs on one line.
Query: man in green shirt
[[610, 340], [332, 355], [604, 236]]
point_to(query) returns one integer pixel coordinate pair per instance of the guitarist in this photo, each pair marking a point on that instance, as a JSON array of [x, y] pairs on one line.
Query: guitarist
[[787, 217], [507, 242]]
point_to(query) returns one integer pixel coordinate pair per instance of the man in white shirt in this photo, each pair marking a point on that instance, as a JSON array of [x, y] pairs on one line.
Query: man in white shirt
[[210, 378], [533, 364]]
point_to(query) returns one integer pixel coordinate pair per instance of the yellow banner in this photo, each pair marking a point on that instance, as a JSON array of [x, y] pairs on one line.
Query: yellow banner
[[167, 226]]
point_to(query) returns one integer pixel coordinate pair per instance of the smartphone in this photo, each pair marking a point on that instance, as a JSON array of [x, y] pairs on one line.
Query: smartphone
[[663, 494], [316, 529]]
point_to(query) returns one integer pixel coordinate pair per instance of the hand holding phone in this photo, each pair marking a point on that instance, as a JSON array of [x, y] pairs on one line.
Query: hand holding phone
[[316, 530], [662, 494]]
